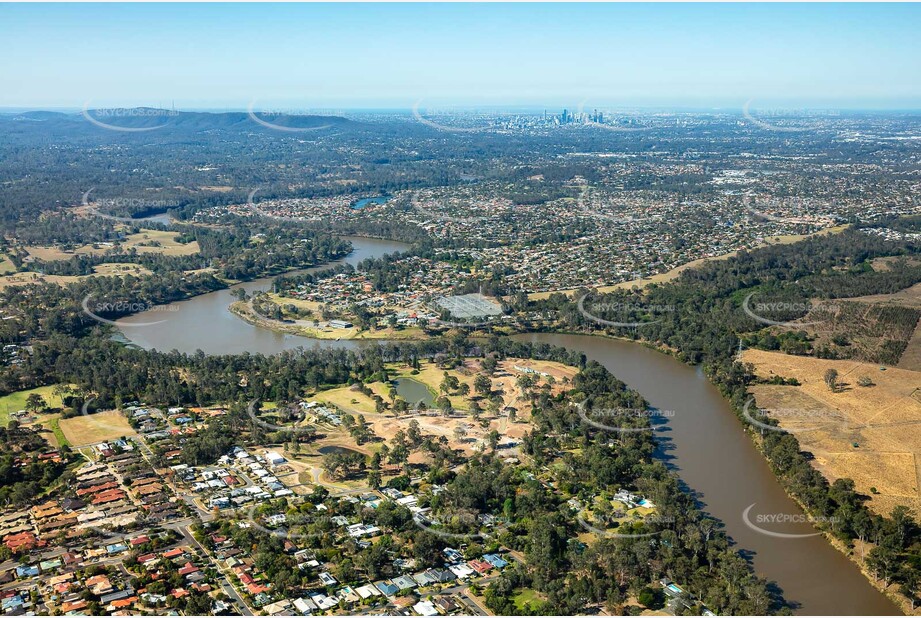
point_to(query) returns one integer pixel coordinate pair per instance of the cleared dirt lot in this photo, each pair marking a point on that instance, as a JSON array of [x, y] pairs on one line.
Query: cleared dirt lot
[[884, 421], [99, 427], [504, 383]]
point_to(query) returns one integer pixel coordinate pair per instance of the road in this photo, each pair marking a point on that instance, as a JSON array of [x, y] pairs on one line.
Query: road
[[463, 591], [226, 584]]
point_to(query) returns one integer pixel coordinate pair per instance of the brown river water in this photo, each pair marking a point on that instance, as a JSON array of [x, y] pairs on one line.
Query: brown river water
[[700, 438]]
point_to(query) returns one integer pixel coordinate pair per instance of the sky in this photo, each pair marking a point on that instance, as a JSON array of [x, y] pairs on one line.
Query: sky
[[327, 56]]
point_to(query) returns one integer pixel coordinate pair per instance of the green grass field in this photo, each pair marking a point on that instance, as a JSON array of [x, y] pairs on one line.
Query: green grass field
[[6, 266], [17, 401], [53, 422], [528, 597]]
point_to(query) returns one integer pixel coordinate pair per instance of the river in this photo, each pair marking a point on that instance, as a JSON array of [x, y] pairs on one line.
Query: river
[[702, 440], [204, 323]]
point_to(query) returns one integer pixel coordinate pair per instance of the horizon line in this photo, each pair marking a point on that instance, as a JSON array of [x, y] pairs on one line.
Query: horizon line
[[496, 108]]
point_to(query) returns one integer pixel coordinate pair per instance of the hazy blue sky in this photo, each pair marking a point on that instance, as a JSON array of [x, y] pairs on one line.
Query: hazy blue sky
[[351, 55]]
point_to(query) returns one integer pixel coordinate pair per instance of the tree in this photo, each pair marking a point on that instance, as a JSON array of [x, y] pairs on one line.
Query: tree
[[546, 548], [652, 599], [902, 524], [413, 433], [482, 385], [831, 379], [460, 432], [198, 604], [449, 383], [882, 560], [911, 580], [35, 403]]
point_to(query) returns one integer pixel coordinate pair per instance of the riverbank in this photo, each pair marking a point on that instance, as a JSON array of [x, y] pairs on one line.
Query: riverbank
[[204, 323], [244, 310], [891, 592], [727, 475]]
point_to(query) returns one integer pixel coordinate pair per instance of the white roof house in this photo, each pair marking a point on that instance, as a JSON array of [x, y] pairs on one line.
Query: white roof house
[[304, 605], [425, 608], [274, 458], [367, 591]]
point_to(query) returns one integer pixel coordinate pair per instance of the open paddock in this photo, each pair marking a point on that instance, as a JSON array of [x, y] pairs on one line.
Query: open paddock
[[145, 241], [94, 428], [870, 434]]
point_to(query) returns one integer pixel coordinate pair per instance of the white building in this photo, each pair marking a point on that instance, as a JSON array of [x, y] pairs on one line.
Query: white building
[[274, 458]]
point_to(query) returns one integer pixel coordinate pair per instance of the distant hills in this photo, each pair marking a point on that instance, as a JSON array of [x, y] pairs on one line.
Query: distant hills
[[143, 119]]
